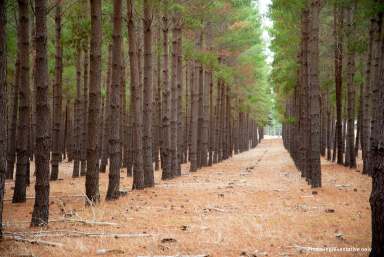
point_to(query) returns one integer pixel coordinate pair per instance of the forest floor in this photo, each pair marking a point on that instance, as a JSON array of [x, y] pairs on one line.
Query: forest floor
[[255, 204]]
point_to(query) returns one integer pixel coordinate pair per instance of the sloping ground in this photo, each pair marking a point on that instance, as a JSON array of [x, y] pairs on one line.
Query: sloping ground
[[255, 203]]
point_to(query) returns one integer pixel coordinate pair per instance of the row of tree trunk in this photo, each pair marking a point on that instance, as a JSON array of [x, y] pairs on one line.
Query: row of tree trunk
[[301, 132], [175, 111]]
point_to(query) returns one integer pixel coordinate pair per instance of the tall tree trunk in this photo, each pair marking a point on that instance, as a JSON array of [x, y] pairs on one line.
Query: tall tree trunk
[[84, 114], [41, 208], [157, 103], [138, 173], [113, 191], [11, 149], [107, 117], [57, 98], [194, 117], [92, 176], [366, 129], [149, 180], [3, 107], [173, 148], [376, 156], [179, 78], [351, 89], [338, 28], [314, 95], [77, 117], [22, 161], [166, 104]]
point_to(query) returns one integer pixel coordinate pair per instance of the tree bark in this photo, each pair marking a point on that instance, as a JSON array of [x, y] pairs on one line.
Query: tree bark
[[138, 173], [3, 107], [84, 114], [113, 191], [77, 117], [107, 119], [376, 156], [57, 98], [149, 180], [92, 176], [351, 161], [41, 208], [338, 28], [166, 104], [22, 160], [11, 149]]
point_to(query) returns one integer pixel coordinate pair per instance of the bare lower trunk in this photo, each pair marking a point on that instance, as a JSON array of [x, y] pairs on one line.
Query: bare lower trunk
[[57, 98], [113, 191], [92, 176], [41, 208], [149, 180], [22, 163], [138, 169], [3, 107]]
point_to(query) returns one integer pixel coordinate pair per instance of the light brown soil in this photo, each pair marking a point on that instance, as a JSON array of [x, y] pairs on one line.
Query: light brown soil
[[222, 210]]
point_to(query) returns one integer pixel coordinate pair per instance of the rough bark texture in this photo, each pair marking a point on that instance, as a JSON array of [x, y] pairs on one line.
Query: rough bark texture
[[314, 95], [84, 115], [22, 162], [138, 169], [3, 107], [350, 154], [173, 138], [11, 149], [149, 180], [376, 158], [338, 28], [57, 98], [113, 191], [366, 129], [107, 118], [92, 176], [41, 208], [166, 106], [77, 118]]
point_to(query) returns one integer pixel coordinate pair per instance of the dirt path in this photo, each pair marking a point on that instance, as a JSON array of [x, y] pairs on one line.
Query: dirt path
[[255, 202]]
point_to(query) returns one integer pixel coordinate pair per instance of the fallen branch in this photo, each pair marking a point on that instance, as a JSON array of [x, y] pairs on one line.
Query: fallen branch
[[74, 233], [216, 209], [108, 251], [34, 241]]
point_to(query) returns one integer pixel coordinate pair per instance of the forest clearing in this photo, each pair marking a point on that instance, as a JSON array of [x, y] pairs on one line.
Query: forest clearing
[[192, 128], [254, 203]]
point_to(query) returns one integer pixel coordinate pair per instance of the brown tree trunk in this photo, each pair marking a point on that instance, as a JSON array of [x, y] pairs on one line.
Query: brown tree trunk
[[77, 118], [3, 107], [338, 28], [84, 114], [57, 98], [92, 176], [41, 208], [179, 78], [22, 161], [366, 129], [149, 180], [314, 92], [173, 148], [107, 119], [113, 191], [138, 173], [376, 155], [11, 149], [166, 106], [351, 161], [194, 117]]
